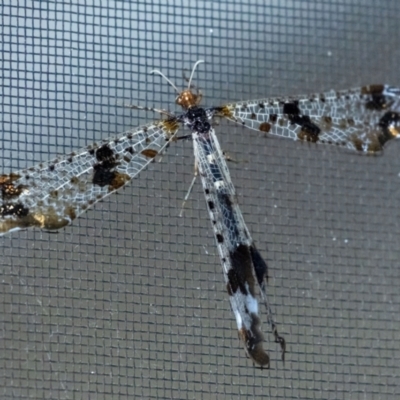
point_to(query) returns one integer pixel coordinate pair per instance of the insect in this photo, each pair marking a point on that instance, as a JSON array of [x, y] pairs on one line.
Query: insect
[[51, 195]]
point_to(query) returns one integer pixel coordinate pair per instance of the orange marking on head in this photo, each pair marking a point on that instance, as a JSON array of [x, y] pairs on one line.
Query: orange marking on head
[[188, 99]]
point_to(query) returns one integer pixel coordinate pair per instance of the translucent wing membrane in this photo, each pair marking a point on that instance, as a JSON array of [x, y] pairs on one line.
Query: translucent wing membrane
[[52, 194], [361, 119]]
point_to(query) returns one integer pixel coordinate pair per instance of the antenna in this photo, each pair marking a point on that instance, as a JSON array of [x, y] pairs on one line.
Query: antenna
[[194, 69], [156, 71]]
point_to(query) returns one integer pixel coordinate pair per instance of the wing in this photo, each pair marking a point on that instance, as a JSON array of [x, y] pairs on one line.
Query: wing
[[362, 119], [52, 194], [242, 264]]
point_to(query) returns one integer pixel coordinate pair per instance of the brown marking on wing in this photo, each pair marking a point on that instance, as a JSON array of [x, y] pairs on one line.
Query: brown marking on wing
[[118, 181], [149, 153], [265, 127], [372, 89], [253, 339], [170, 125]]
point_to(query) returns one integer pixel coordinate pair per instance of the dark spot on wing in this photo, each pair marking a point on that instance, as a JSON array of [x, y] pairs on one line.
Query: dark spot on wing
[[220, 238], [14, 209], [105, 154], [390, 126], [105, 170], [229, 289], [377, 102], [309, 131], [242, 266], [10, 191], [260, 266], [227, 212], [291, 108], [390, 119], [299, 119], [103, 174], [233, 282]]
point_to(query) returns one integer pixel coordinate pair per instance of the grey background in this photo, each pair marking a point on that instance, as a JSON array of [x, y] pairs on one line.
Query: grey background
[[129, 301]]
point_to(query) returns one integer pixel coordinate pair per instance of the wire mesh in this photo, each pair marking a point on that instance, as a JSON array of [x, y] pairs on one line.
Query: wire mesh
[[129, 301]]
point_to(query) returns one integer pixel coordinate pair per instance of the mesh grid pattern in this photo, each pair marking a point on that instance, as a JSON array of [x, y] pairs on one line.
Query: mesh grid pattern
[[129, 301]]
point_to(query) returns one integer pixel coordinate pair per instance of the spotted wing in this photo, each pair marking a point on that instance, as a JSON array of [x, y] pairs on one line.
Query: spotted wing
[[242, 264], [362, 119], [51, 195]]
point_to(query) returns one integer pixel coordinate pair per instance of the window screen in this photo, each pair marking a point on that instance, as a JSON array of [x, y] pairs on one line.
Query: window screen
[[129, 301]]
